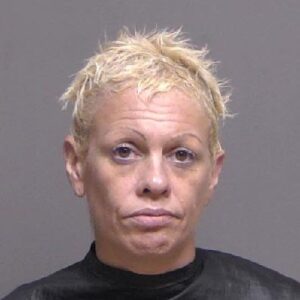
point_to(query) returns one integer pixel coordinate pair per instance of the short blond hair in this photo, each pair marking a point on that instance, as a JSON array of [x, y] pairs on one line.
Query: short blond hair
[[154, 62]]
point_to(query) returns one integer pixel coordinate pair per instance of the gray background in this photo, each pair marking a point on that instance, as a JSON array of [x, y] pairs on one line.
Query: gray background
[[255, 213]]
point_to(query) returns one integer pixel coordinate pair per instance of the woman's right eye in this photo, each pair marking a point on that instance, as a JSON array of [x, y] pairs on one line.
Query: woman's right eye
[[124, 153]]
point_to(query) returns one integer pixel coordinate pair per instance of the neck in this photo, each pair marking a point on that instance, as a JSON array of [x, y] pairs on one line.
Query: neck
[[145, 263]]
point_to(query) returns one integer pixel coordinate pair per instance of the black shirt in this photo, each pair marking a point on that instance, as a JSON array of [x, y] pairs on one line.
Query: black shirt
[[212, 275]]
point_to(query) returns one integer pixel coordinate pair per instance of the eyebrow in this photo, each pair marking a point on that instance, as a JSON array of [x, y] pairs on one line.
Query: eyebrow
[[182, 135], [187, 134], [131, 129]]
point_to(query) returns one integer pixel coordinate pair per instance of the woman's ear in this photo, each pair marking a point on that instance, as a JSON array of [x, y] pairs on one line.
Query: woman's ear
[[217, 167], [73, 165]]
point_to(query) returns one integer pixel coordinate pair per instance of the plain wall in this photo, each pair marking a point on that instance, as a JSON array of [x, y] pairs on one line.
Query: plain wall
[[255, 213]]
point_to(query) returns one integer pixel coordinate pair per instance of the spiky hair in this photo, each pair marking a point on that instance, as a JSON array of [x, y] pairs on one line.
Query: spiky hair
[[154, 62]]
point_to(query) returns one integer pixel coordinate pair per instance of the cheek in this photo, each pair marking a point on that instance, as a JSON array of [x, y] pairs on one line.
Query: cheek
[[96, 185], [106, 189], [194, 195]]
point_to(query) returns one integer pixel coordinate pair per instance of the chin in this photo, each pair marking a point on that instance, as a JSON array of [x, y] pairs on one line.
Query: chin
[[151, 245]]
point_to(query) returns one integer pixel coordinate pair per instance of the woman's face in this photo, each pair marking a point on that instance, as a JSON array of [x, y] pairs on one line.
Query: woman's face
[[148, 174]]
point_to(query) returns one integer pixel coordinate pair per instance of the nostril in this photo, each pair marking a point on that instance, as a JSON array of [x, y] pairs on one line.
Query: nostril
[[146, 191], [149, 191]]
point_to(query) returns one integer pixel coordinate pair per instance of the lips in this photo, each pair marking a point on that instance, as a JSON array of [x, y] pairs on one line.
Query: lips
[[152, 218], [154, 212]]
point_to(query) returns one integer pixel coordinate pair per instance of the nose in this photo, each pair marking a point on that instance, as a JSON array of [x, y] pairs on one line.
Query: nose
[[153, 181]]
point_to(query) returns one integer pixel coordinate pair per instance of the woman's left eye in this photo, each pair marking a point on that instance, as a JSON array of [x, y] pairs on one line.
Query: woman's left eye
[[183, 155]]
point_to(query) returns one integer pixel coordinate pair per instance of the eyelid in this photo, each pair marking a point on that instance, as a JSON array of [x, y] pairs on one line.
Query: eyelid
[[125, 144], [184, 149]]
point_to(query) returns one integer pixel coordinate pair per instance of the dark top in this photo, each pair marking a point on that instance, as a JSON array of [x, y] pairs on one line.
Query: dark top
[[212, 275]]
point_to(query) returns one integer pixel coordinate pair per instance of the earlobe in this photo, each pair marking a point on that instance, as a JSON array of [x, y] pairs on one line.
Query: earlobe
[[73, 165]]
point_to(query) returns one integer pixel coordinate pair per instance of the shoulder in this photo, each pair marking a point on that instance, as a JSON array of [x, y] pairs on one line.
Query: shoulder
[[241, 275], [37, 290]]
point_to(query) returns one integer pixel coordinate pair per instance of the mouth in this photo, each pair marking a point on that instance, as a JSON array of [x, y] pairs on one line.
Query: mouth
[[152, 218]]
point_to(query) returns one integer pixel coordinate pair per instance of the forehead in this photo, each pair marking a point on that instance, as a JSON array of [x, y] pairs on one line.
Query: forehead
[[171, 111]]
